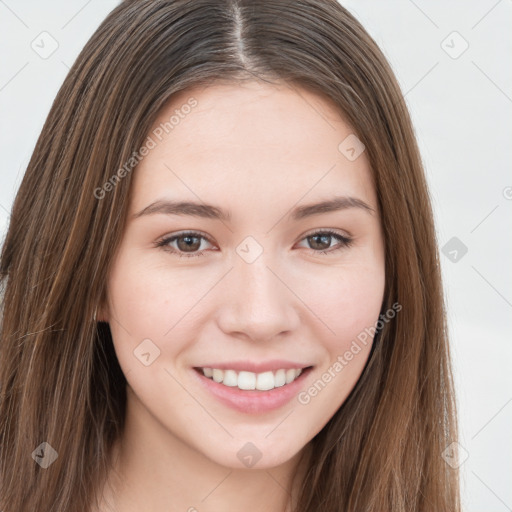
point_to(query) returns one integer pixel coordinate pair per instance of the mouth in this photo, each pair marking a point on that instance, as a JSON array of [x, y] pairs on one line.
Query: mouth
[[251, 392], [248, 381]]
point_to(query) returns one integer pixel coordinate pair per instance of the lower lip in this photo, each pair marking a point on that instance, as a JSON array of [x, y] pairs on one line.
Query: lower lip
[[253, 401]]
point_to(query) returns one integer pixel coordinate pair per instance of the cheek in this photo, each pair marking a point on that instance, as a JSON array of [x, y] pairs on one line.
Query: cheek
[[348, 306], [347, 302], [144, 296], [150, 301], [136, 310]]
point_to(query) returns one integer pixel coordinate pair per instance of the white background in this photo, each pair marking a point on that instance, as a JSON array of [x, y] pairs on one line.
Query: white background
[[461, 109]]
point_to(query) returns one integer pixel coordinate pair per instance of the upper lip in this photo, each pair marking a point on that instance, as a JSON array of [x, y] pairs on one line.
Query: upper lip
[[252, 366]]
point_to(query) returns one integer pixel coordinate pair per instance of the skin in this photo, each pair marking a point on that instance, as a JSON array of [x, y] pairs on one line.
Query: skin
[[257, 150]]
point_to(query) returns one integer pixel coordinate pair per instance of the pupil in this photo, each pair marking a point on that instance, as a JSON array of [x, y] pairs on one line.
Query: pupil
[[188, 241], [325, 240]]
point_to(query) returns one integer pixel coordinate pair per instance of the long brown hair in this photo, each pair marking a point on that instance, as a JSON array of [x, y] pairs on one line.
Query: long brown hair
[[60, 380]]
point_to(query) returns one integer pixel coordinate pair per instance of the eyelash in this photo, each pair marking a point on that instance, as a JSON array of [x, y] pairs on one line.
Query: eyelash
[[345, 242]]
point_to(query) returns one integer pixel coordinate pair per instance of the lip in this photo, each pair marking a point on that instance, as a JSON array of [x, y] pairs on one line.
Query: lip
[[251, 366], [252, 401]]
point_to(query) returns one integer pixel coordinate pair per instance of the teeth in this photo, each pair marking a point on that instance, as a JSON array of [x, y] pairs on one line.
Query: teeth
[[280, 378], [230, 378], [249, 380], [265, 381]]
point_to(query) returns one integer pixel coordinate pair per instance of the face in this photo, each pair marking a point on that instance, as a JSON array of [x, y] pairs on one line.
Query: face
[[255, 284]]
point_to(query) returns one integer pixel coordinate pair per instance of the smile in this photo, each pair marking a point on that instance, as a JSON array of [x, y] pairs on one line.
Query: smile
[[250, 392], [250, 380]]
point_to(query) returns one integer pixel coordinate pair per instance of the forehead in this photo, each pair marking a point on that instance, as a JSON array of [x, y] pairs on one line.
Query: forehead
[[250, 143]]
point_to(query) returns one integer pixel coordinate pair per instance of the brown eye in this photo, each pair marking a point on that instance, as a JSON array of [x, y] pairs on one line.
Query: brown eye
[[187, 244], [320, 241]]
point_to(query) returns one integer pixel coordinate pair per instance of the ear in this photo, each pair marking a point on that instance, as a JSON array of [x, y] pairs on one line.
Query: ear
[[102, 313]]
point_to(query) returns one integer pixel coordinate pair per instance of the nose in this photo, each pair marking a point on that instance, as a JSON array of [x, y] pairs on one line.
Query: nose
[[257, 303]]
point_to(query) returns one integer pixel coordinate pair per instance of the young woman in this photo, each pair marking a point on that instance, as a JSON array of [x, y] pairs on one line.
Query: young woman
[[221, 286]]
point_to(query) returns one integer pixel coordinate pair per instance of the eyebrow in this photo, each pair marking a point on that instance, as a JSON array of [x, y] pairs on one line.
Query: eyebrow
[[208, 211]]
